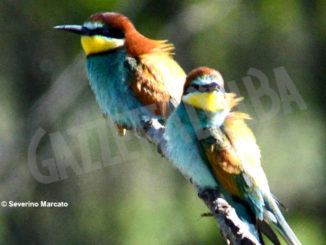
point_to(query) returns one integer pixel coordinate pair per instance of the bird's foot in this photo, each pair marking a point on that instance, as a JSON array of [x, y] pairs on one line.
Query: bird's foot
[[120, 130]]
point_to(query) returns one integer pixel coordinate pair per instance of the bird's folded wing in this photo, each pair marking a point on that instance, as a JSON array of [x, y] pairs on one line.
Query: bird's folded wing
[[243, 142], [158, 80], [234, 157]]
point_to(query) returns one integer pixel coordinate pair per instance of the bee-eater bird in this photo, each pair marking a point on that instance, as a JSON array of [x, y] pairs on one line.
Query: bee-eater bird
[[134, 78], [215, 149]]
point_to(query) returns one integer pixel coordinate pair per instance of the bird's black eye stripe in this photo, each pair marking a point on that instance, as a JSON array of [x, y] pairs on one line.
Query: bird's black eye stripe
[[108, 32], [116, 33], [203, 88]]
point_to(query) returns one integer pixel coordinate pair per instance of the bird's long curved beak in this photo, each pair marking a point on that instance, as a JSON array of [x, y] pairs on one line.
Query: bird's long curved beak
[[78, 29]]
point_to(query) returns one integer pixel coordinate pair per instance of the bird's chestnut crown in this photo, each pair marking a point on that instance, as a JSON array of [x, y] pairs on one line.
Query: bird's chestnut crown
[[108, 24], [203, 79]]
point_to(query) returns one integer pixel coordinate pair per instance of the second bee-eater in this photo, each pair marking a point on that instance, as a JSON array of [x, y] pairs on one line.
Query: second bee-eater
[[133, 77], [215, 149]]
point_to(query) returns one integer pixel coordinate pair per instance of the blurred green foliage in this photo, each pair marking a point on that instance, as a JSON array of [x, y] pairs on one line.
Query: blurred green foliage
[[144, 200]]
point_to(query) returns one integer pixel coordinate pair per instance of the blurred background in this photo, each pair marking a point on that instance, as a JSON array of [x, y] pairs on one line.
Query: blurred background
[[119, 190]]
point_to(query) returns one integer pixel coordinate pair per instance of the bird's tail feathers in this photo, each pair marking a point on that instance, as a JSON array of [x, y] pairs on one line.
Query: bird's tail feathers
[[274, 216]]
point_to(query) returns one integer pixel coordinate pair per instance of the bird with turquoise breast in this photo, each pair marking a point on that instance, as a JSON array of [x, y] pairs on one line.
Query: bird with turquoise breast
[[215, 149], [134, 78]]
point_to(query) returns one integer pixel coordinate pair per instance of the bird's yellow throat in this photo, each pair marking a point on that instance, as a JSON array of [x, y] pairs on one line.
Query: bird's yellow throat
[[210, 101], [99, 44]]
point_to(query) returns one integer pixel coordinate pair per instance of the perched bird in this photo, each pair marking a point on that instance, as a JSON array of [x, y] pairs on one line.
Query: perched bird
[[214, 148], [134, 78]]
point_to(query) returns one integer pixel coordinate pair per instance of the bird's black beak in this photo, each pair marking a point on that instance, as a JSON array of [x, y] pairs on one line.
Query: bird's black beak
[[81, 30]]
